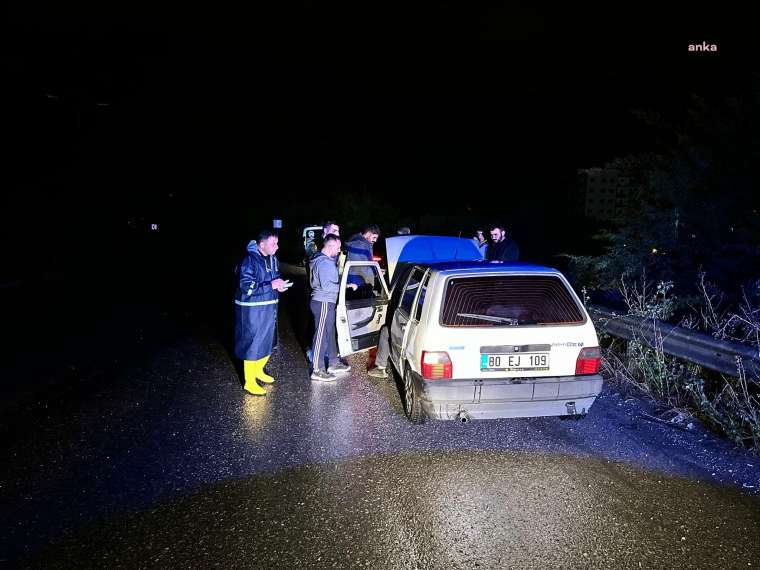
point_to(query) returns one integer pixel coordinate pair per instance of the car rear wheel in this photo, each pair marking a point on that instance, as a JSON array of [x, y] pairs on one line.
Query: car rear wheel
[[412, 405]]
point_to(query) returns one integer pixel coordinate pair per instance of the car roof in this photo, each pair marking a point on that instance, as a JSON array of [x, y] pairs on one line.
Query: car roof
[[408, 249], [483, 266]]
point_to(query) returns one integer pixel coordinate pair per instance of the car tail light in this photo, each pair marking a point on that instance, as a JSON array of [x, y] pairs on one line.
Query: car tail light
[[436, 365], [376, 258], [589, 360]]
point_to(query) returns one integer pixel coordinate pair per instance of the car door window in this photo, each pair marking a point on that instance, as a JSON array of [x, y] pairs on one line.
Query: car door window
[[410, 291], [368, 281]]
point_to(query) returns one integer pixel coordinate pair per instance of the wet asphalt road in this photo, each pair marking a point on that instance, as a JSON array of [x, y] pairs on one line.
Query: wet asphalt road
[[168, 463]]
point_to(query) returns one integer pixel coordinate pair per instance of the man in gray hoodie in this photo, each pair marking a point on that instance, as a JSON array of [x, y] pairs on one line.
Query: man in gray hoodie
[[325, 286]]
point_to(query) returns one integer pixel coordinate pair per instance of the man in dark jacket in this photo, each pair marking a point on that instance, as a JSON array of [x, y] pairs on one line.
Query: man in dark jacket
[[256, 301], [359, 248], [325, 286], [502, 248]]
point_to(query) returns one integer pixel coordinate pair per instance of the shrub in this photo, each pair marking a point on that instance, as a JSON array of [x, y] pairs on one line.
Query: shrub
[[729, 404]]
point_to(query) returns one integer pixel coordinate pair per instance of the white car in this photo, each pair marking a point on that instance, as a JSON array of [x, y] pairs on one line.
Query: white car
[[471, 338]]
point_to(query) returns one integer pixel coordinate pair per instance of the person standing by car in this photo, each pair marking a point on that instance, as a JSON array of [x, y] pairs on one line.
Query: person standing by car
[[328, 227], [259, 288], [325, 285], [481, 242], [380, 369], [503, 248], [360, 249], [334, 229]]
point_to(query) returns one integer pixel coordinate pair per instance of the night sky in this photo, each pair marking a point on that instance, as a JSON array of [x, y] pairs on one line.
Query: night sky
[[212, 121]]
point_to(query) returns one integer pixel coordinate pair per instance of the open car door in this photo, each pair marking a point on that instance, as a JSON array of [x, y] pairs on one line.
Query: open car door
[[361, 312]]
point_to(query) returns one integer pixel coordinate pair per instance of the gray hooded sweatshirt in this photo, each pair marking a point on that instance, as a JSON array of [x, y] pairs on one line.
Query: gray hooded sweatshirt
[[325, 283]]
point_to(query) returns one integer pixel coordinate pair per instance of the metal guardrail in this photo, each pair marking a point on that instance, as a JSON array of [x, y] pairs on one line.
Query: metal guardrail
[[696, 347]]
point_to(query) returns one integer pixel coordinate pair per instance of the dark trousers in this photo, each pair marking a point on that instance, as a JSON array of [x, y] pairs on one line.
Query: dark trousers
[[383, 348], [323, 345], [255, 332]]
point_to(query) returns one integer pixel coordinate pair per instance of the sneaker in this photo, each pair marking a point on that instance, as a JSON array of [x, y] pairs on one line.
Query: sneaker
[[378, 372], [338, 368], [322, 376]]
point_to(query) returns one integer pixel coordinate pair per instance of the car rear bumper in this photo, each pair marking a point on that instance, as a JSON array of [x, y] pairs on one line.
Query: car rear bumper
[[486, 399]]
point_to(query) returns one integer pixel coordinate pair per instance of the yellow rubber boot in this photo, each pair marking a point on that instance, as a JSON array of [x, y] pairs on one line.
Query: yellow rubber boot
[[260, 374], [249, 373]]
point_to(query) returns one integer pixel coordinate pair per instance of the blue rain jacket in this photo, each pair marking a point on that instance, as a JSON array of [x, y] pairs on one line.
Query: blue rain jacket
[[256, 305]]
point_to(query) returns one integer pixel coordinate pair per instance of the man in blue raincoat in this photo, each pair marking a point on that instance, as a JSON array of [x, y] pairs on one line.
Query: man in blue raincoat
[[256, 301]]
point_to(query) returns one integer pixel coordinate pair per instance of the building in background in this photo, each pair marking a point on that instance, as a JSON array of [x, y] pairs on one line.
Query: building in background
[[603, 193]]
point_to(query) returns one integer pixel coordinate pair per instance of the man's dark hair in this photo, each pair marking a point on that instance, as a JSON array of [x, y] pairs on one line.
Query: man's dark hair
[[371, 228], [497, 226], [329, 238], [264, 235]]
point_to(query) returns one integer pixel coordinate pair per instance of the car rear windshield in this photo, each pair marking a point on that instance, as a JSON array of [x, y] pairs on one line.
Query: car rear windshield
[[508, 300]]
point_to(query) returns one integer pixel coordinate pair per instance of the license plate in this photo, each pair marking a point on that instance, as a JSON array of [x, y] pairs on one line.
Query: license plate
[[511, 362]]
